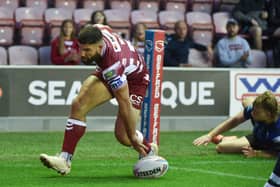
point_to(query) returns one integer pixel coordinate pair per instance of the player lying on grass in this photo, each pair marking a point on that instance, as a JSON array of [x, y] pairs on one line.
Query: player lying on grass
[[274, 179], [121, 73], [264, 141]]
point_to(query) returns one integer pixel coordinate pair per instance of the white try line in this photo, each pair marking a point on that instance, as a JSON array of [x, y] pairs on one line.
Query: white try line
[[218, 173]]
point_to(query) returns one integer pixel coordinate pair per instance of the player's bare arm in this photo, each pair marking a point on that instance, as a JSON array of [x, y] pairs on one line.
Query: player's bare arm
[[129, 118], [221, 128]]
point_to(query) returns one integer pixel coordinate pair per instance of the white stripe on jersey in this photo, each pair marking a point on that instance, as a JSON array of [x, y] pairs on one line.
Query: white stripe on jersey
[[275, 178], [276, 139], [268, 185], [131, 67]]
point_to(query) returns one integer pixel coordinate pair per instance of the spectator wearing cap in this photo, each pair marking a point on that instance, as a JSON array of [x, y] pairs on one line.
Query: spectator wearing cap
[[232, 50], [252, 17]]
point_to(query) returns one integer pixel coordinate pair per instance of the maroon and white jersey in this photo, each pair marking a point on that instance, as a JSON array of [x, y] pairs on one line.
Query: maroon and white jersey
[[120, 61]]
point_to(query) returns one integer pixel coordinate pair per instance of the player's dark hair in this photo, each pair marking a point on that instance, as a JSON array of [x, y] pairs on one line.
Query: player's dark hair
[[90, 35]]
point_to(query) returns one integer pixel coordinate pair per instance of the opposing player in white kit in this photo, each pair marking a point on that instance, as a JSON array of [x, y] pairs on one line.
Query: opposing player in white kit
[[121, 73]]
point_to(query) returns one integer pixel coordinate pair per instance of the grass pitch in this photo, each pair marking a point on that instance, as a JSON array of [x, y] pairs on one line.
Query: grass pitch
[[101, 161]]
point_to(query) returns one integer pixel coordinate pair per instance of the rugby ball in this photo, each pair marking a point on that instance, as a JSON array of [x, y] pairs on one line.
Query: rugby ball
[[150, 167]]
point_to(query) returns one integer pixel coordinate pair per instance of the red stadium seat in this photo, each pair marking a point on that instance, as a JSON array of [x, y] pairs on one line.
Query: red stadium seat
[[6, 17], [145, 16], [119, 20], [22, 55], [31, 25], [167, 18], [7, 25], [55, 16], [203, 5], [6, 35], [198, 59], [32, 36], [3, 56], [176, 5], [29, 16], [121, 4], [220, 20], [259, 59], [45, 55], [67, 4], [82, 16], [201, 27], [41, 4], [9, 4], [198, 18], [94, 5], [152, 5]]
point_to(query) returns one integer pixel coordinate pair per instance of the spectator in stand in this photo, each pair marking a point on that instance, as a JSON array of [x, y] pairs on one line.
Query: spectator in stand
[[273, 8], [232, 50], [138, 39], [65, 48], [177, 48], [98, 17], [253, 19]]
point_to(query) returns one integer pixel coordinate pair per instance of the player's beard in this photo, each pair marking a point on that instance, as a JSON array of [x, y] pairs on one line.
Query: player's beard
[[95, 59]]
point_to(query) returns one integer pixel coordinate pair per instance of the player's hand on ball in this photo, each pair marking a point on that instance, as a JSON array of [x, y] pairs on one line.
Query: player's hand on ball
[[202, 140], [139, 147]]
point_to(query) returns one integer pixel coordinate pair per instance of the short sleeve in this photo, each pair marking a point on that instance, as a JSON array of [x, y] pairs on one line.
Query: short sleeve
[[247, 112]]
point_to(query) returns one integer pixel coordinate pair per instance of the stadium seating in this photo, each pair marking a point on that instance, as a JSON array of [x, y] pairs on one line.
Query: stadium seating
[[118, 19], [201, 27], [152, 5], [54, 18], [40, 4], [7, 27], [121, 4], [6, 35], [23, 55], [220, 21], [202, 6], [31, 25], [6, 17], [198, 59], [45, 55], [167, 19], [176, 5], [66, 4], [3, 56], [94, 5], [145, 16], [259, 59], [9, 4], [82, 16]]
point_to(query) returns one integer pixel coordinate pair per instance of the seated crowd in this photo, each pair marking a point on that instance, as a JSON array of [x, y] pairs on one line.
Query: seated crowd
[[252, 25]]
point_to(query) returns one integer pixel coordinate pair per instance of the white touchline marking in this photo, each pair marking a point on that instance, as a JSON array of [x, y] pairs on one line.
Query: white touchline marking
[[219, 173]]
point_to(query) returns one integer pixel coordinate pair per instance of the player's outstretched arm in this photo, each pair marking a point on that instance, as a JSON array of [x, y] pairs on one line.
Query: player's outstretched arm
[[221, 128], [129, 118], [202, 140]]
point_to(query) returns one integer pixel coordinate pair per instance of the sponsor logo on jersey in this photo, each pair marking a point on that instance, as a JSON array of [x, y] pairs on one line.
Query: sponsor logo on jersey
[[110, 74], [117, 82]]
